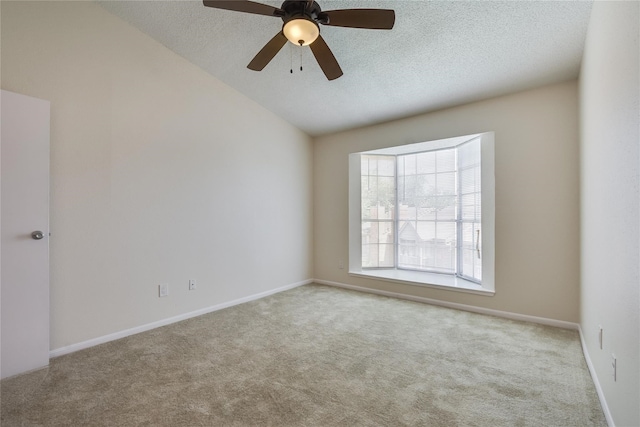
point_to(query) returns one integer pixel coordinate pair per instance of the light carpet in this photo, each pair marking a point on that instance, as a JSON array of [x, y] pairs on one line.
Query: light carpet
[[318, 356]]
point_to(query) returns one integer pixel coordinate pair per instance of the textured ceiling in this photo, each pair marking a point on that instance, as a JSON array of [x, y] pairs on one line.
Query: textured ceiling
[[439, 54]]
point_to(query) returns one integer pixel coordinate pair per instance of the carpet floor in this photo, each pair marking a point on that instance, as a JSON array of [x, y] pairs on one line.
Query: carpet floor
[[318, 356]]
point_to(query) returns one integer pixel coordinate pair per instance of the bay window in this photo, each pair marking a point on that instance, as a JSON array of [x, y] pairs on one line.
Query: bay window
[[423, 213]]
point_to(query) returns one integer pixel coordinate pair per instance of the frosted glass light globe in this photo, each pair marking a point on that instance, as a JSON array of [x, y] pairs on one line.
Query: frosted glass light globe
[[301, 31]]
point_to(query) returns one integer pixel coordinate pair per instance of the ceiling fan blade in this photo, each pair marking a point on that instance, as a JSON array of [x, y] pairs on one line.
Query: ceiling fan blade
[[267, 53], [325, 59], [245, 6], [375, 19]]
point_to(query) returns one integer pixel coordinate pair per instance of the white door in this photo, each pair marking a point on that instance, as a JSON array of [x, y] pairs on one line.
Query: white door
[[25, 253]]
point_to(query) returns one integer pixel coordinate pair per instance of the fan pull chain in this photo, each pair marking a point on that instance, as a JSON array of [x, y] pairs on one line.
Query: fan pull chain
[[300, 55], [291, 56]]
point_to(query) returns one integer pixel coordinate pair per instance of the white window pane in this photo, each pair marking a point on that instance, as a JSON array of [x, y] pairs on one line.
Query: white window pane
[[446, 160], [386, 197], [409, 164], [426, 185], [407, 235], [364, 259], [477, 270], [446, 231], [385, 212], [364, 183], [469, 153], [426, 230], [467, 263], [387, 256], [447, 208], [386, 189], [386, 166], [472, 257], [401, 189], [467, 235], [386, 232], [445, 245], [446, 184], [378, 244], [410, 187], [468, 182], [407, 231], [468, 207], [406, 212], [373, 165], [369, 232], [377, 192], [371, 256], [437, 256], [426, 211], [426, 162], [370, 198], [364, 165], [408, 241]]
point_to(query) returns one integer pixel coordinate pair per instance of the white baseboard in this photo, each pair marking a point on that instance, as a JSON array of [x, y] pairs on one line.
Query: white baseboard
[[596, 382], [122, 334], [505, 314]]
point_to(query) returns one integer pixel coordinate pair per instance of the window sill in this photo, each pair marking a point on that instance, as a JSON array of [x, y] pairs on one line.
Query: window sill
[[419, 278]]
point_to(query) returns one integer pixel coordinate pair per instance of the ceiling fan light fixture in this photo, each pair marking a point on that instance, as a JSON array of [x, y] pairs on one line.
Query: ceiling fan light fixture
[[301, 31], [301, 27]]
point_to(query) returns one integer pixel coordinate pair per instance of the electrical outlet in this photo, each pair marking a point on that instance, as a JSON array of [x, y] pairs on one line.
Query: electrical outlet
[[341, 265], [192, 284], [600, 332], [614, 367], [163, 290]]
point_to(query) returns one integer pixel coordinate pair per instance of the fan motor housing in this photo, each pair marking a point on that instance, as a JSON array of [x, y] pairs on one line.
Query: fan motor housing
[[298, 8]]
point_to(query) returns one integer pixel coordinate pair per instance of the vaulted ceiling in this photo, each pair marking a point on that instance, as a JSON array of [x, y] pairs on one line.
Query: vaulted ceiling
[[439, 54]]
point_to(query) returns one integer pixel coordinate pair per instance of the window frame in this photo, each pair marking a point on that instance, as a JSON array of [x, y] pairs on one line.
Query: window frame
[[420, 277], [433, 270], [461, 220]]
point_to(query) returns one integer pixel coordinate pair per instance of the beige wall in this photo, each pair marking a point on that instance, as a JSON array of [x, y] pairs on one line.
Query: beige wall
[[159, 174], [537, 204], [610, 124]]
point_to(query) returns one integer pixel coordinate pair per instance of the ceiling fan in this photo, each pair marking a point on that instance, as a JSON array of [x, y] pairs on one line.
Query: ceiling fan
[[301, 19]]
